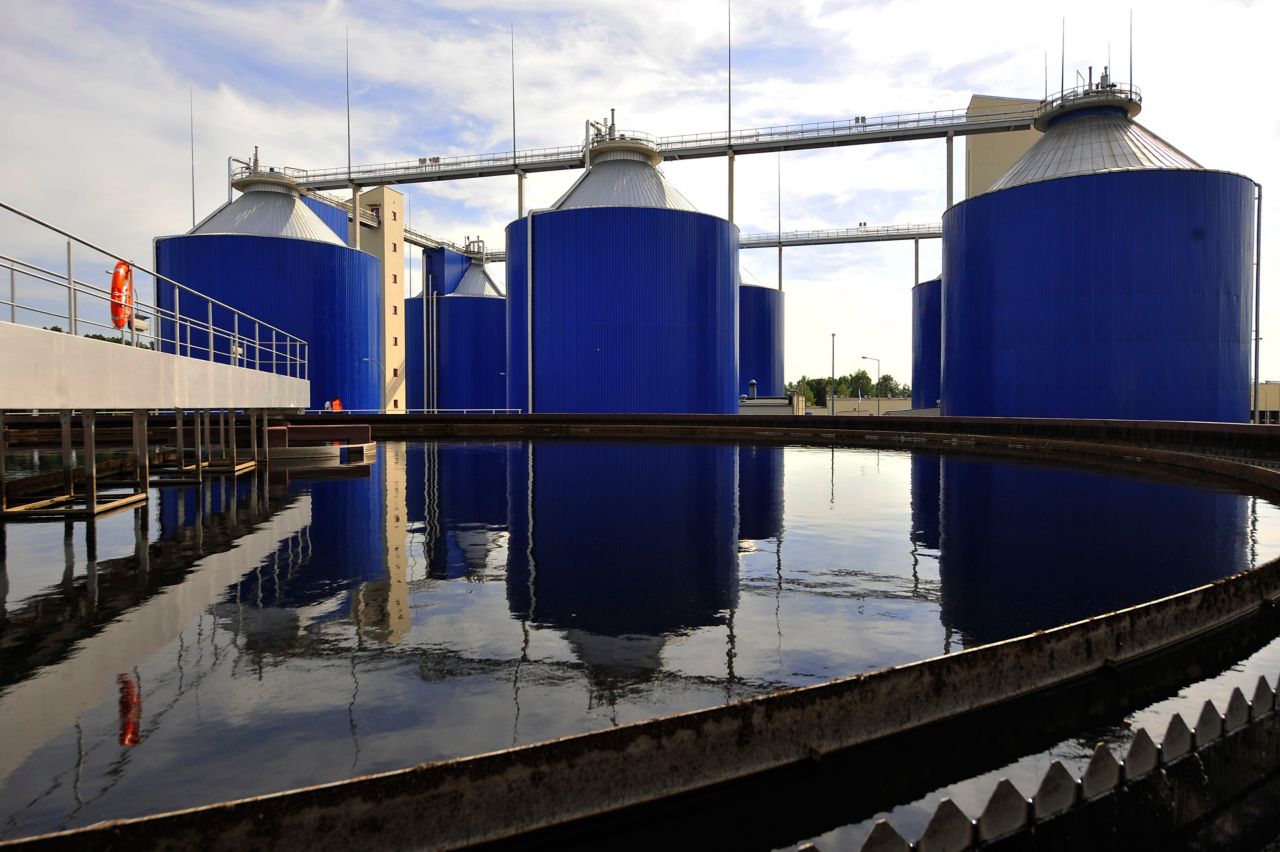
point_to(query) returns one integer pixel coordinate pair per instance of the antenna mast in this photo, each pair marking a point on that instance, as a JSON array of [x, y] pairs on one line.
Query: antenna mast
[[519, 177], [355, 214], [191, 107], [1131, 48]]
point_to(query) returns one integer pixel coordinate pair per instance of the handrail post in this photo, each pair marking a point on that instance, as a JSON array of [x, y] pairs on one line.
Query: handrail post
[[273, 351], [257, 348], [235, 338], [177, 325], [13, 292], [71, 294], [210, 330]]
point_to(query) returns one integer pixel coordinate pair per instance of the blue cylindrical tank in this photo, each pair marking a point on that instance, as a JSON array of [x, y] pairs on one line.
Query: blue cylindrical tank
[[926, 344], [466, 338], [268, 255], [1106, 275], [634, 303], [760, 340]]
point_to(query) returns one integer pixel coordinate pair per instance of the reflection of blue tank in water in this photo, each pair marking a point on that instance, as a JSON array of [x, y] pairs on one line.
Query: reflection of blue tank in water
[[760, 502], [457, 493], [344, 545], [655, 556], [1027, 548], [926, 499]]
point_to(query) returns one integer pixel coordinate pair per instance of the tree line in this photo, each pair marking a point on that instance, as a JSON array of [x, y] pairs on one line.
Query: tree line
[[848, 387]]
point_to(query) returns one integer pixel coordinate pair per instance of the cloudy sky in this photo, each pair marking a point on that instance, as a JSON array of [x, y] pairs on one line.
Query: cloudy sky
[[94, 107]]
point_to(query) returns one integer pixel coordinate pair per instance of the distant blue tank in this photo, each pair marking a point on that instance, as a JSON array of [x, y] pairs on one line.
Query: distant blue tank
[[456, 339], [268, 255], [760, 340], [634, 296], [926, 344], [1105, 275]]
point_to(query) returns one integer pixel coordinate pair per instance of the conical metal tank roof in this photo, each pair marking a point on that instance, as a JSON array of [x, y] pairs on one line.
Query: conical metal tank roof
[[476, 282], [269, 207], [1092, 131], [623, 173]]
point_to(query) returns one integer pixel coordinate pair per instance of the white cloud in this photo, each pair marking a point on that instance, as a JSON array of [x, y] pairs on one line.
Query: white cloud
[[95, 137]]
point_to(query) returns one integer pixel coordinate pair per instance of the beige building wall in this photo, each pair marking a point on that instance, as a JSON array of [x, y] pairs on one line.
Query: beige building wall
[[1269, 399], [862, 407], [386, 243], [988, 156]]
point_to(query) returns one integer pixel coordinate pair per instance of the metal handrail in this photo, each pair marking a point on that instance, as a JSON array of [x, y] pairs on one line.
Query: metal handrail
[[237, 352], [1118, 91], [923, 231], [249, 349], [137, 266]]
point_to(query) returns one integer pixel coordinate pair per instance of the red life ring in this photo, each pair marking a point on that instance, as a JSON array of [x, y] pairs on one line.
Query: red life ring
[[121, 295]]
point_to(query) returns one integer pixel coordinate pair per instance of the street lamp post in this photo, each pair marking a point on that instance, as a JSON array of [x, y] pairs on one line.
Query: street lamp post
[[831, 394], [877, 360]]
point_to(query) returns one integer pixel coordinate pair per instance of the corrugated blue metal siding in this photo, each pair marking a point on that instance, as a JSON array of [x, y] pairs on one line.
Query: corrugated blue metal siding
[[669, 539], [760, 340], [415, 368], [634, 309], [1051, 539], [1122, 295], [472, 353], [330, 296], [446, 268], [335, 217], [926, 344], [760, 501]]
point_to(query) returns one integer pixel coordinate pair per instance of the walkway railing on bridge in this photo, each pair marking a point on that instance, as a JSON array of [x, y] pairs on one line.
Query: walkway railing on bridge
[[192, 324], [759, 140]]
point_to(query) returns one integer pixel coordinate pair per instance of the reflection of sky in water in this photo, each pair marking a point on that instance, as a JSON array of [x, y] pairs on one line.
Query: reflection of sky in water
[[460, 598]]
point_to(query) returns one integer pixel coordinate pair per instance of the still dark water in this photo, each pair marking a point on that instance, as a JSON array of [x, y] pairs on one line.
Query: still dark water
[[459, 598]]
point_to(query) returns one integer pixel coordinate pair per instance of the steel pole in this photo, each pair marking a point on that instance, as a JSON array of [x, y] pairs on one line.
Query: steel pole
[[917, 278], [731, 158], [528, 233], [13, 293], [951, 138], [831, 396], [71, 294], [1257, 310]]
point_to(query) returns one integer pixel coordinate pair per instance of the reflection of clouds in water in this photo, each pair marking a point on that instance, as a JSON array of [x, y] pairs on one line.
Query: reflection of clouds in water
[[664, 578]]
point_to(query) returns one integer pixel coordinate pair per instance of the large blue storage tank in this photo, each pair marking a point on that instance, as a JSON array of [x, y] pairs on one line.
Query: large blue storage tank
[[760, 340], [634, 302], [926, 344], [456, 355], [1105, 275], [268, 255]]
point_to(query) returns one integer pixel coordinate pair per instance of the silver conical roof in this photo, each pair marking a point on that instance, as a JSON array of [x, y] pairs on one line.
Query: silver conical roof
[[269, 207], [623, 173], [1090, 143], [476, 282]]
